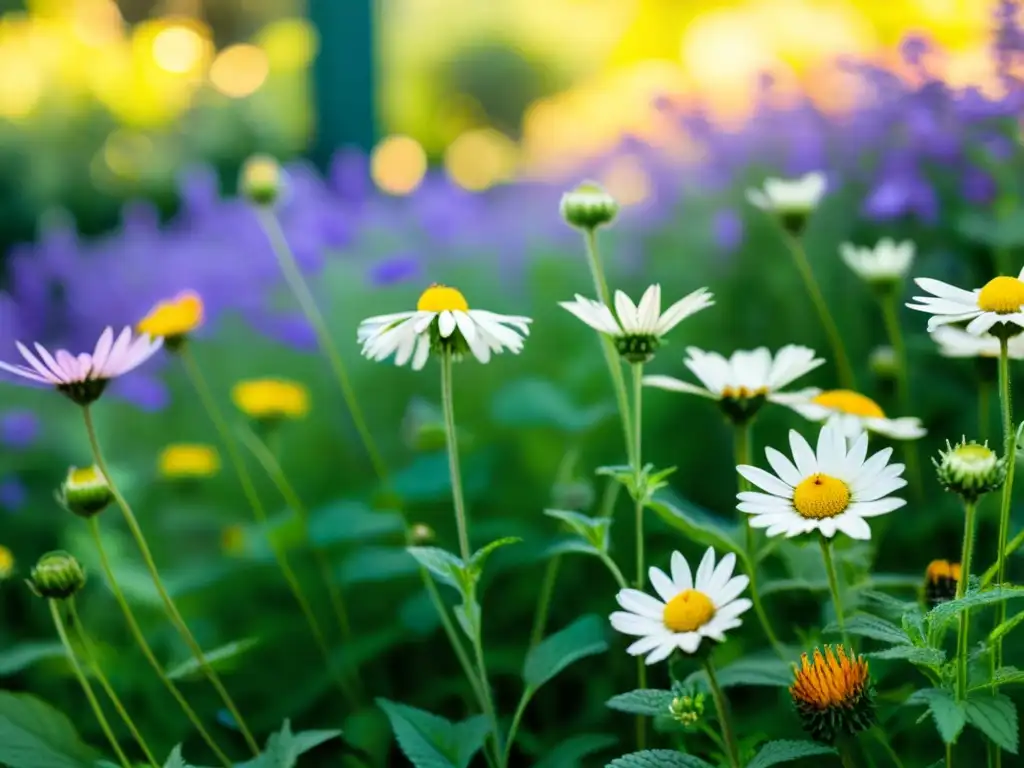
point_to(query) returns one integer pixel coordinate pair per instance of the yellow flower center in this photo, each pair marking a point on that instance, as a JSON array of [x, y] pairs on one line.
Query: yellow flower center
[[84, 476], [821, 496], [688, 611], [438, 298], [174, 317], [848, 401], [6, 562], [1002, 295], [271, 398], [832, 680], [743, 393], [186, 460]]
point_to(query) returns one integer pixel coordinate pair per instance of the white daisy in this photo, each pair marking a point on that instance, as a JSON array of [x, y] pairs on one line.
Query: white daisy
[[83, 377], [956, 342], [833, 489], [852, 412], [442, 319], [790, 196], [887, 262], [1000, 303], [744, 380], [637, 329], [690, 609]]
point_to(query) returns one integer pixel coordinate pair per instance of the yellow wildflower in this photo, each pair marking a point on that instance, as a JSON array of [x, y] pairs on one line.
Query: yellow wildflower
[[188, 460], [6, 563], [173, 319], [271, 399]]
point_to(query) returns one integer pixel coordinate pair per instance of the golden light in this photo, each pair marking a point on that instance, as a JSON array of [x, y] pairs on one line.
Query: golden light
[[398, 164], [290, 44], [21, 85], [626, 180], [178, 49], [97, 22], [125, 152], [239, 70], [479, 159]]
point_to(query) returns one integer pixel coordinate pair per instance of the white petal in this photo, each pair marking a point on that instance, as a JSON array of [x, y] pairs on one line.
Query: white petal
[[806, 462], [853, 526], [766, 481], [641, 603], [783, 467], [705, 570], [875, 508], [662, 584], [638, 626], [681, 575], [688, 642]]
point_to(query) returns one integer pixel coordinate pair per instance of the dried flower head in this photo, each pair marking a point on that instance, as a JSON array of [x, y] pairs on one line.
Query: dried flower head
[[940, 582], [832, 693]]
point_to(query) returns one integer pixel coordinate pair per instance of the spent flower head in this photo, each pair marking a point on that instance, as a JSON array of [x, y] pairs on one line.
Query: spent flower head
[[85, 491], [174, 319], [852, 412], [188, 461], [637, 329], [791, 200], [832, 694], [941, 579], [996, 309], [970, 469], [589, 206], [882, 266], [57, 576], [261, 180]]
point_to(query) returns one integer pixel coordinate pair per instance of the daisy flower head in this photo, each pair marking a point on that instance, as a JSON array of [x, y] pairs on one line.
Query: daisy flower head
[[791, 200], [956, 342], [996, 309], [852, 411], [83, 377], [832, 694], [689, 607], [588, 207], [830, 489], [742, 382], [882, 266], [637, 329], [173, 319], [441, 323]]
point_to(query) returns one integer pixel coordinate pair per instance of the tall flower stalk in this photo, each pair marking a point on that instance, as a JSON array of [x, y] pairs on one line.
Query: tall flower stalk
[[639, 504], [1009, 455], [724, 716], [963, 640], [833, 586]]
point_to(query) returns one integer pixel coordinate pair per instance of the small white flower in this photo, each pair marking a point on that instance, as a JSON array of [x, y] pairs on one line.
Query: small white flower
[[887, 262], [852, 412], [956, 342], [999, 305], [690, 609], [784, 196], [442, 319], [637, 329], [83, 377], [832, 489]]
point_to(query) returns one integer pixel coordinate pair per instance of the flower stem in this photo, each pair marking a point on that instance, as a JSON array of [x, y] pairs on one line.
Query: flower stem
[[741, 446], [639, 498], [140, 639], [230, 444], [97, 672], [169, 606], [451, 438], [611, 356], [614, 570], [547, 590], [984, 396], [724, 718], [833, 585], [514, 728], [1010, 454], [842, 360], [58, 622], [300, 289], [890, 315], [961, 589]]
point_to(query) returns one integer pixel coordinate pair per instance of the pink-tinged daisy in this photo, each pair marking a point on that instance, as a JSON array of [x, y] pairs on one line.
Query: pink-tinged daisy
[[83, 377]]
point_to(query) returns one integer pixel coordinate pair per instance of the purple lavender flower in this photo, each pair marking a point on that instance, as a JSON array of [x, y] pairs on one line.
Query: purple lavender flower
[[19, 429], [395, 269], [13, 494], [727, 229]]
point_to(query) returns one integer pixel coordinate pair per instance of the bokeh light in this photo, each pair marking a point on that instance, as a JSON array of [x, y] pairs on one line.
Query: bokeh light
[[239, 70], [479, 159], [179, 48], [398, 164]]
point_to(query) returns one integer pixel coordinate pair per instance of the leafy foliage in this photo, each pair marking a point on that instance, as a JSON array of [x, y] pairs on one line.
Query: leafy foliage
[[430, 741], [777, 752], [35, 735], [996, 717], [584, 637], [647, 701], [948, 714], [658, 758]]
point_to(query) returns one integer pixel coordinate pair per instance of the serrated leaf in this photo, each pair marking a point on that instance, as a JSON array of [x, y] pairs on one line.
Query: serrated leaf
[[570, 752], [1005, 628], [447, 567], [886, 603], [948, 714], [944, 612], [477, 560], [929, 657], [284, 748], [996, 717], [23, 655], [175, 759], [658, 758], [696, 524], [593, 530], [222, 659], [35, 735], [756, 669], [646, 701], [431, 741], [865, 625], [776, 752], [1004, 676], [584, 637]]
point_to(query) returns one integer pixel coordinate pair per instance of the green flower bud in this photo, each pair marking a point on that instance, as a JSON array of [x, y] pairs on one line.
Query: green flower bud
[[421, 533], [262, 180], [687, 709], [970, 470], [883, 363], [85, 492], [57, 576], [588, 206]]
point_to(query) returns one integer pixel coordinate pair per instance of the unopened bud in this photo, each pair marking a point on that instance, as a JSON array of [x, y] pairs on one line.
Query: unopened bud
[[85, 491], [589, 206], [970, 470], [262, 180], [57, 576], [421, 534]]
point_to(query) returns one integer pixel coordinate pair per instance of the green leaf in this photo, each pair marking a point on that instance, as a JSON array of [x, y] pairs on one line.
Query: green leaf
[[346, 521], [928, 657], [222, 659], [284, 748], [35, 735], [426, 478], [646, 701], [658, 758], [756, 669], [430, 741], [539, 403], [370, 565], [697, 524], [443, 564], [478, 558], [948, 714], [23, 655], [886, 603], [996, 717], [570, 752], [175, 759], [775, 752], [1004, 676], [1005, 628], [593, 530], [584, 637], [865, 625], [944, 612]]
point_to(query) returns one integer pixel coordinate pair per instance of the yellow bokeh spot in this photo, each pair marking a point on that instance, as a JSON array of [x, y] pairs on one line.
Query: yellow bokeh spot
[[289, 44], [239, 70], [174, 317], [398, 165], [188, 460], [179, 48], [97, 22], [271, 398], [438, 298], [688, 611], [479, 159], [6, 562], [626, 180]]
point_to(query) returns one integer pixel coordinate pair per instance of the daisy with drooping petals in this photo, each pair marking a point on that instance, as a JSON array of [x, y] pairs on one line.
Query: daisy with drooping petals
[[888, 262], [852, 411], [792, 200], [742, 382], [441, 321], [828, 490], [637, 329], [956, 342], [83, 377], [690, 607], [997, 308]]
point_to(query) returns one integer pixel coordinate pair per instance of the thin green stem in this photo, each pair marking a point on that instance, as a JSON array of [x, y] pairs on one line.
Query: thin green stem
[[724, 718], [300, 289], [949, 755], [639, 496], [833, 585], [842, 359], [514, 728], [140, 639], [883, 740], [453, 637], [614, 570], [1010, 454], [611, 355], [451, 439], [58, 622], [97, 671], [227, 439], [488, 695], [890, 315], [547, 591], [984, 406], [169, 606], [742, 448], [961, 588]]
